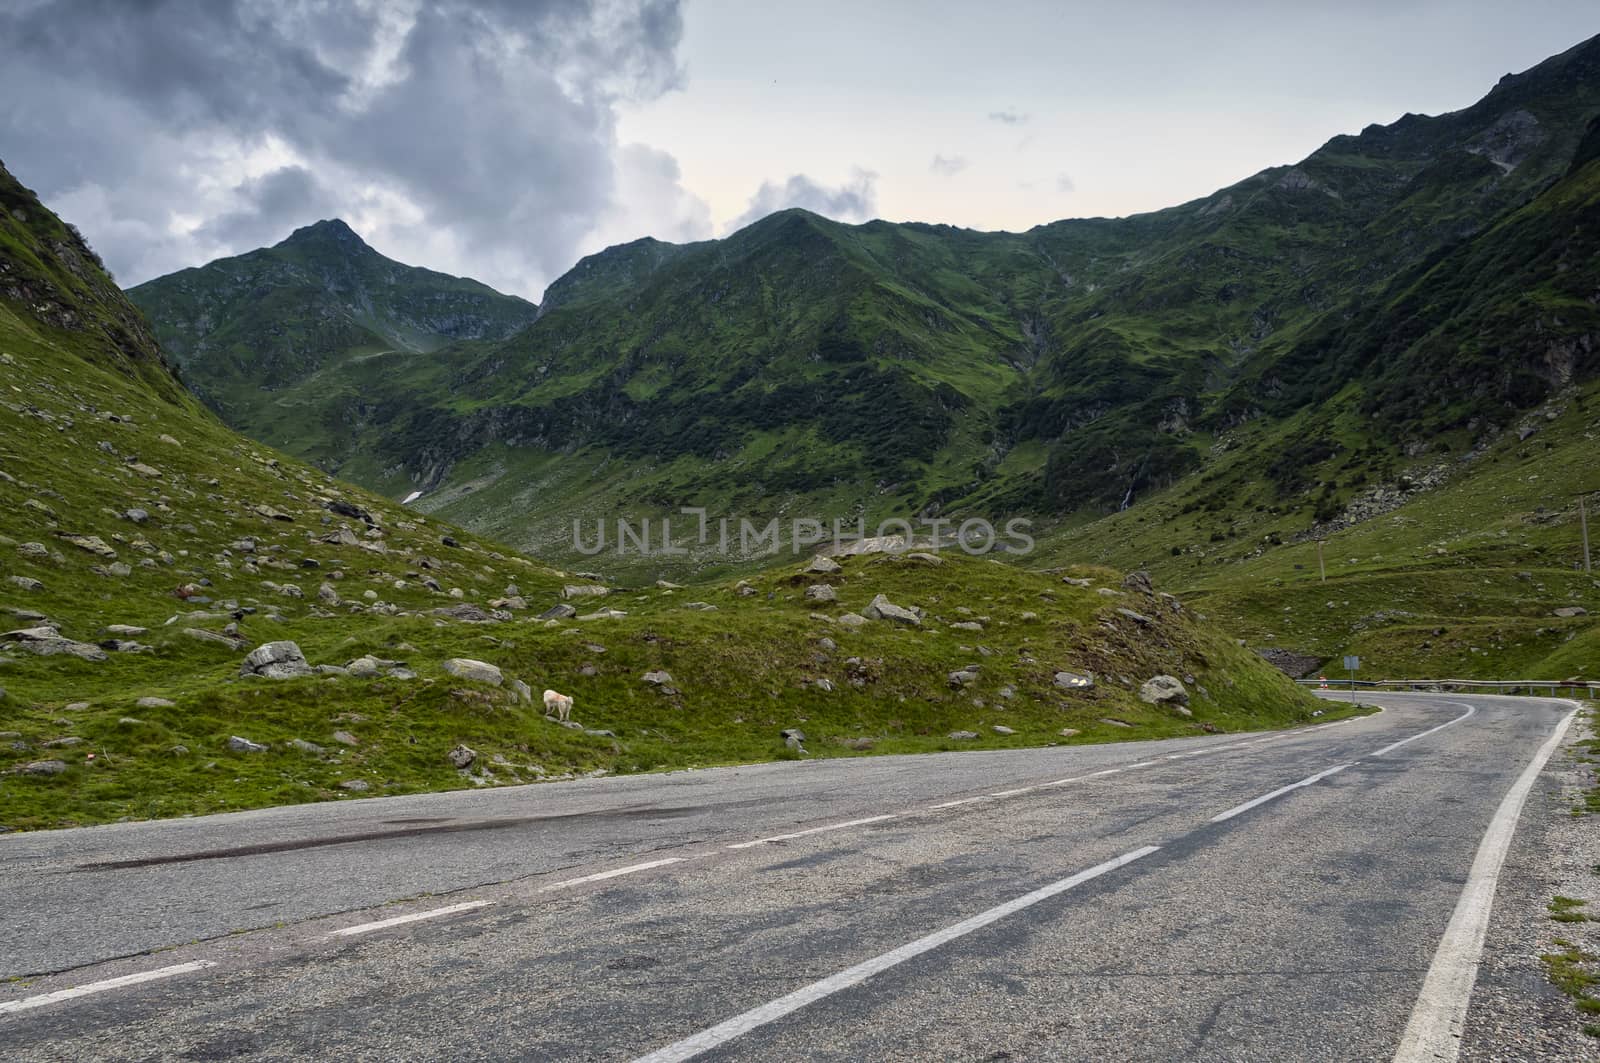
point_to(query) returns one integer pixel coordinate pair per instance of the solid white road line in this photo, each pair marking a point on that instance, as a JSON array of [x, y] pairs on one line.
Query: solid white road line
[[1434, 1031], [27, 1003], [1279, 792], [1406, 741], [399, 920], [813, 830], [600, 876], [777, 1009]]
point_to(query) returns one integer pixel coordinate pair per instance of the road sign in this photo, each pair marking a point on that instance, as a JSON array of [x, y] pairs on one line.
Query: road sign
[[1352, 663]]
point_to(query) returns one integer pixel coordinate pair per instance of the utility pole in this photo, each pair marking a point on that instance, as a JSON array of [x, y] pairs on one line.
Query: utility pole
[[1323, 569]]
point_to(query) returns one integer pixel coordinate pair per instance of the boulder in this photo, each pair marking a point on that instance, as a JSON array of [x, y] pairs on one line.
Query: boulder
[[851, 620], [962, 736], [883, 609], [1164, 690], [584, 590], [963, 677], [462, 757], [27, 583], [1002, 729], [657, 678], [1074, 681], [244, 745], [466, 613], [475, 671], [46, 641], [355, 786], [966, 625], [1138, 582], [155, 703], [823, 566], [1137, 618], [276, 660], [559, 612], [1571, 611], [821, 592], [43, 767], [201, 635], [91, 543]]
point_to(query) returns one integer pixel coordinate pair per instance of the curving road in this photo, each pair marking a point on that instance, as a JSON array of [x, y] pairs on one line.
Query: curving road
[[1315, 894]]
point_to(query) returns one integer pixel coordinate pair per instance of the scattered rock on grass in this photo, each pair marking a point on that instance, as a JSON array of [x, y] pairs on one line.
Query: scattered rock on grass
[[962, 736], [1074, 681], [275, 660], [1164, 690], [44, 767], [883, 609], [155, 703], [476, 671], [244, 745], [462, 756]]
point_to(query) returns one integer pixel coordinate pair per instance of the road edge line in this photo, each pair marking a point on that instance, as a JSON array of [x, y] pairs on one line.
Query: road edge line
[[1433, 1033]]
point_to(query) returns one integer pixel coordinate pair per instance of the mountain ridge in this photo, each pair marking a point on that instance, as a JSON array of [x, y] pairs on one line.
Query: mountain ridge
[[1067, 372]]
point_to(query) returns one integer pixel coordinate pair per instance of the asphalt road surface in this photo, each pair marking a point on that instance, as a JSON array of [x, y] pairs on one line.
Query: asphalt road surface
[[1304, 895]]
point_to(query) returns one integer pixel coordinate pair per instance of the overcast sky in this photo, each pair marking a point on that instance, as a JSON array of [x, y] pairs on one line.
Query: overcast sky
[[502, 139]]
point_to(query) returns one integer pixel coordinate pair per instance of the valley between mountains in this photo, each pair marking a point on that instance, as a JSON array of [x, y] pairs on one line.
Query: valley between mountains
[[298, 524]]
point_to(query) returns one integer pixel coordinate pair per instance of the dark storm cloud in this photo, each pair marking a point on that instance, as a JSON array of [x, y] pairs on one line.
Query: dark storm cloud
[[486, 126], [266, 201], [855, 200]]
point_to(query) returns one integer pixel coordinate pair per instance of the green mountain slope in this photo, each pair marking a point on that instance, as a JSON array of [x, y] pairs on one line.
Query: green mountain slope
[[146, 550], [257, 334], [804, 366]]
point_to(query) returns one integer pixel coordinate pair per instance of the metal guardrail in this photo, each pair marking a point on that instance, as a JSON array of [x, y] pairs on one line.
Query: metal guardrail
[[1544, 687]]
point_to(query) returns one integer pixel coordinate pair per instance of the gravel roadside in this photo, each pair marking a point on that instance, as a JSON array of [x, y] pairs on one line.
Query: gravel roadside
[[1517, 1013]]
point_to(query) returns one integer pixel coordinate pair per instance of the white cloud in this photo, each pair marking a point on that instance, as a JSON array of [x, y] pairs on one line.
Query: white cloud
[[855, 200]]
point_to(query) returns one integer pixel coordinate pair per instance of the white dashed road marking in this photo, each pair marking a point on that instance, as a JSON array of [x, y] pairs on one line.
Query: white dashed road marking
[[777, 1009], [601, 876], [27, 1003], [414, 917], [813, 830]]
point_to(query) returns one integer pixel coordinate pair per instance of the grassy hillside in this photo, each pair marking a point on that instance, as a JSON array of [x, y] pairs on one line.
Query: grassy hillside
[[146, 550], [1282, 347]]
